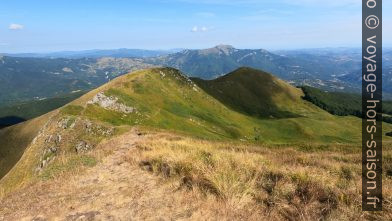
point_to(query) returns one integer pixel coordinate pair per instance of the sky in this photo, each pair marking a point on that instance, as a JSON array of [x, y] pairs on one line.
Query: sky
[[58, 25]]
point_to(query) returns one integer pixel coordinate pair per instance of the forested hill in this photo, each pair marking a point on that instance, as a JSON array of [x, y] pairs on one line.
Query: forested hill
[[342, 104]]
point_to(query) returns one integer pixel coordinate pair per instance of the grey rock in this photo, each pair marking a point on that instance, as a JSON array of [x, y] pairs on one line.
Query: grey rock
[[48, 139], [86, 216], [110, 103], [53, 149], [43, 163], [63, 123], [82, 146], [58, 139]]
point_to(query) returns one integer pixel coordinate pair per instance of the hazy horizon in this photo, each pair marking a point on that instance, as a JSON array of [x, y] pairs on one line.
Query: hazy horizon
[[50, 26], [180, 49]]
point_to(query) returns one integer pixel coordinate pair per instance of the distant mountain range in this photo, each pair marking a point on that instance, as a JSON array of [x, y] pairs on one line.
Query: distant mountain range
[[98, 53], [40, 76], [299, 68], [24, 79]]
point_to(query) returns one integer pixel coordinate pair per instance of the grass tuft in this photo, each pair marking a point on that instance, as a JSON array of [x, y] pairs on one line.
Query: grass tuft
[[74, 110], [67, 165]]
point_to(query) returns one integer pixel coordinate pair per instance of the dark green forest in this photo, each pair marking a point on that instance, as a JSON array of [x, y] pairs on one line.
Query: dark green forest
[[341, 104]]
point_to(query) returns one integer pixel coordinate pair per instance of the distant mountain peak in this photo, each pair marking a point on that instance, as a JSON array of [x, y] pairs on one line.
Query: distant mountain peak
[[226, 49], [223, 47], [219, 49]]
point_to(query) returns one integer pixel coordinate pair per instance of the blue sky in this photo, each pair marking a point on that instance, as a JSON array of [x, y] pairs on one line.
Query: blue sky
[[53, 25]]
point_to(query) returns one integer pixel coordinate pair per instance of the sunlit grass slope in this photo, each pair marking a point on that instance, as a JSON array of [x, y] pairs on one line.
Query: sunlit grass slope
[[267, 182], [266, 109]]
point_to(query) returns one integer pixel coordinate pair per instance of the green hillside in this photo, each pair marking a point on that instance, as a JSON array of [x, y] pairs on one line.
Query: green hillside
[[341, 104], [253, 92], [166, 99], [337, 103]]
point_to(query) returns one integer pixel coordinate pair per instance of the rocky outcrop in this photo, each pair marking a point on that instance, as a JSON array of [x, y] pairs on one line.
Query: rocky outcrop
[[83, 147], [66, 123], [98, 130], [110, 103], [52, 146]]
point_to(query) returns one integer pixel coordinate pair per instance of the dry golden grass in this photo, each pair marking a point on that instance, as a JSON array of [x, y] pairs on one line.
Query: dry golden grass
[[194, 179], [285, 183], [114, 189]]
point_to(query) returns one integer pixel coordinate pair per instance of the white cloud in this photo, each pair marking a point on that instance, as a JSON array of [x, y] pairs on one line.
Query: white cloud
[[201, 29], [16, 27]]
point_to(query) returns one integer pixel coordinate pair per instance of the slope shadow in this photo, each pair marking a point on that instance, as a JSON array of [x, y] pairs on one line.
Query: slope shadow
[[10, 120], [248, 91]]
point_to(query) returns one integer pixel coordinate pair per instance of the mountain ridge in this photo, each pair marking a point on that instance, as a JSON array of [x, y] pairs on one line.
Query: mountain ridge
[[96, 53], [165, 99], [194, 139]]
